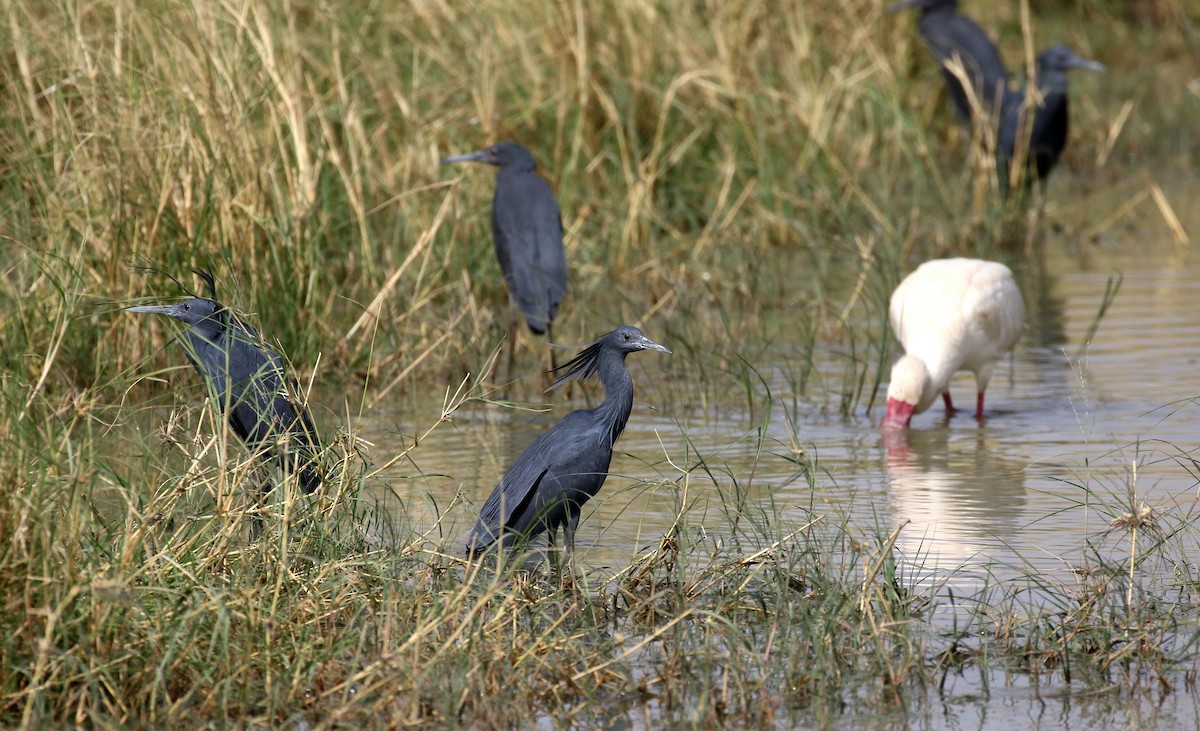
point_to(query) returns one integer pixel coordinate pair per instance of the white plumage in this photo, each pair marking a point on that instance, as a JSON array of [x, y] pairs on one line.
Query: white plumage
[[950, 315]]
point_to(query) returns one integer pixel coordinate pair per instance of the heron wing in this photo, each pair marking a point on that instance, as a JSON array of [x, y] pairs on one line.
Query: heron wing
[[1049, 132], [928, 312], [246, 379], [978, 52], [257, 401], [564, 466], [527, 233], [1012, 124], [1043, 130], [956, 36], [957, 313]]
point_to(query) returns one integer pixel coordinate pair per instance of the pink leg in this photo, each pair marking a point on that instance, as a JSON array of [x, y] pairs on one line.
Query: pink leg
[[979, 406], [949, 404]]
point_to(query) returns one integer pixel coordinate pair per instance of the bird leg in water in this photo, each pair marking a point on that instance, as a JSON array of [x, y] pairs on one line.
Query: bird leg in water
[[1035, 232], [949, 404], [562, 560], [979, 406]]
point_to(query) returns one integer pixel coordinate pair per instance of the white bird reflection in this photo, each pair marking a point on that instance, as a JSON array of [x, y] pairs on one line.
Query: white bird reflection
[[964, 500]]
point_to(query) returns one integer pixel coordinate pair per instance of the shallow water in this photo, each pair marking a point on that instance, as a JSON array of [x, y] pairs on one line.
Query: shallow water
[[999, 702], [1068, 428], [1076, 433]]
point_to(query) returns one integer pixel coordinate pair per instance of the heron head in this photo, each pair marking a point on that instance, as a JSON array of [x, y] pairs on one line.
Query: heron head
[[1061, 58], [628, 339], [501, 154], [191, 311]]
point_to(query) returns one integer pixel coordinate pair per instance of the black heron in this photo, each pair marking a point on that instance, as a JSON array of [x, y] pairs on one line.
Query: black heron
[[955, 38], [1046, 137], [526, 231], [245, 379], [548, 484]]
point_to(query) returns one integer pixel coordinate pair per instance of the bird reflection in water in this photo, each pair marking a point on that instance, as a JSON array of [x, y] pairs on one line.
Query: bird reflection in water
[[963, 499]]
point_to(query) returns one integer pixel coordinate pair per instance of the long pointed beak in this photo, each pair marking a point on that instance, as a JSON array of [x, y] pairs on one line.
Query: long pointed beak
[[1079, 62], [152, 309], [648, 344], [477, 156]]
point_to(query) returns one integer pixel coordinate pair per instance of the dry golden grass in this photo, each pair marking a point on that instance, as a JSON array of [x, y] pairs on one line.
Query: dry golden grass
[[293, 148]]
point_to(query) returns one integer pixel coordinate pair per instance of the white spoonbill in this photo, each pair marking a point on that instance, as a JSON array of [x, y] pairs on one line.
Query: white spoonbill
[[950, 315]]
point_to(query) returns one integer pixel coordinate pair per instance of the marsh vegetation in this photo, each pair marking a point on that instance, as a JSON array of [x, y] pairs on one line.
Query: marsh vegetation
[[745, 182]]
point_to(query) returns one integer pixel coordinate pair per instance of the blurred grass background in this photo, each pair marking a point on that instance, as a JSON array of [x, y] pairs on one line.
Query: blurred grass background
[[293, 148]]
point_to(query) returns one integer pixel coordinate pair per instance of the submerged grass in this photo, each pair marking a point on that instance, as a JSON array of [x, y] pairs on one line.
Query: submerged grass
[[702, 154]]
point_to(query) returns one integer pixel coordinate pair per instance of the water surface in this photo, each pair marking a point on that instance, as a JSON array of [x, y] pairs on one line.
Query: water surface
[[1075, 433]]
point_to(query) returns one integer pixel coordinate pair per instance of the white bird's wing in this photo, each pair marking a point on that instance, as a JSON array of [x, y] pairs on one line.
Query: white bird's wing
[[995, 315]]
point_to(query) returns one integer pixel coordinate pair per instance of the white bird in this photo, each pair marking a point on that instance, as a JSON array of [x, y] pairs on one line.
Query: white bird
[[950, 315]]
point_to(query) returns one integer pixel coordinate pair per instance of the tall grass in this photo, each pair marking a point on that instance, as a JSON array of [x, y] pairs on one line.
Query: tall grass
[[702, 154], [293, 147]]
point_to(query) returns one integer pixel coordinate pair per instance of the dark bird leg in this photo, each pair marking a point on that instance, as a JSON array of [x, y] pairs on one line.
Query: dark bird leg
[[514, 327], [548, 376], [261, 488], [502, 365], [949, 404], [566, 571], [1037, 216], [264, 486], [569, 526], [550, 341], [552, 552]]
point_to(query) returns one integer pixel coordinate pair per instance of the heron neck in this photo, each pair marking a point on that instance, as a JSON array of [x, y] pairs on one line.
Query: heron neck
[[206, 336], [1052, 81], [512, 171], [210, 329], [618, 393]]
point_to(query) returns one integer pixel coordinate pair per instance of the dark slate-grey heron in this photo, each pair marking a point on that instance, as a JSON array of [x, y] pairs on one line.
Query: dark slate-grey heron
[[546, 487], [246, 381], [526, 231], [955, 38], [1040, 120]]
